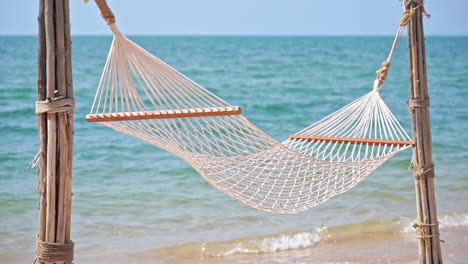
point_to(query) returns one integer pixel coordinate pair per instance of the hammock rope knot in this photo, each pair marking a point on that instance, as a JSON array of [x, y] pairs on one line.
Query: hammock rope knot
[[383, 72], [53, 252], [382, 75], [408, 14]]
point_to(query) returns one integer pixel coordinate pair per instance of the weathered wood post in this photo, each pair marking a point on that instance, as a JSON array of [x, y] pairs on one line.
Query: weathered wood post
[[55, 107], [423, 169]]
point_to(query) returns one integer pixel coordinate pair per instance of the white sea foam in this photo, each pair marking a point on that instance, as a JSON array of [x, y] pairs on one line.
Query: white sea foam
[[446, 221], [275, 243], [300, 240]]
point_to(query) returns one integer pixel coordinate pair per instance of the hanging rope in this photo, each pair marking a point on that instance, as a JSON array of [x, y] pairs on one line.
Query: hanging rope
[[106, 12], [383, 71]]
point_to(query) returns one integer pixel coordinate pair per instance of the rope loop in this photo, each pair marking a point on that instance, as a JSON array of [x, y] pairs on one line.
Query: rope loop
[[408, 14], [54, 252], [55, 105]]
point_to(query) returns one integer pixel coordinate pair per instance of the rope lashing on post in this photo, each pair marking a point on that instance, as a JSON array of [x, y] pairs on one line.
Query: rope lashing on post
[[52, 106], [418, 103], [421, 230], [54, 252], [419, 4], [55, 105], [408, 14], [423, 171]]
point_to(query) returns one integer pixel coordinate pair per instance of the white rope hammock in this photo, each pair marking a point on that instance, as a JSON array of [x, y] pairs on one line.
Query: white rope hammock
[[143, 97]]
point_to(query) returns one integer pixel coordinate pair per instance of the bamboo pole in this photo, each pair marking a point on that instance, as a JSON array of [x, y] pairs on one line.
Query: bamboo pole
[[51, 123], [70, 130], [54, 83], [42, 121], [427, 226], [62, 130]]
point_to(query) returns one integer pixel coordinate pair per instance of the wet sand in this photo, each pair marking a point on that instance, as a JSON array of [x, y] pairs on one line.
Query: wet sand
[[364, 249]]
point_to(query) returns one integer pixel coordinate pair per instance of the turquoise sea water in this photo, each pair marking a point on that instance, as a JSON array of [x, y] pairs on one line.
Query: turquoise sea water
[[129, 195]]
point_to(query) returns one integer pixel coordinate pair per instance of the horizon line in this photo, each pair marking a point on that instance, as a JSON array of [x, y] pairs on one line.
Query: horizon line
[[236, 35]]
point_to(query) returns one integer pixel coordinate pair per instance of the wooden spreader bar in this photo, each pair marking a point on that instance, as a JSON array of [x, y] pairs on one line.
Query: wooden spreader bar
[[365, 141], [164, 114]]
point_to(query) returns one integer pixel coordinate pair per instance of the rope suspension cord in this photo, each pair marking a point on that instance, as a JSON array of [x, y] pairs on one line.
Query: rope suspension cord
[[106, 12], [142, 96], [383, 72]]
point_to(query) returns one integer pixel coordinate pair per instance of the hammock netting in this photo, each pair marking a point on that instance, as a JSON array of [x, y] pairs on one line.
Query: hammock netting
[[143, 97]]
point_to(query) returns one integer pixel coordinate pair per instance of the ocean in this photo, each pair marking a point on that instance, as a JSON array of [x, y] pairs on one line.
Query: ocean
[[135, 203]]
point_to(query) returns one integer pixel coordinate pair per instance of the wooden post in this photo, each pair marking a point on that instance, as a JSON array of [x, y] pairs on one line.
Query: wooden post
[[54, 84], [423, 169]]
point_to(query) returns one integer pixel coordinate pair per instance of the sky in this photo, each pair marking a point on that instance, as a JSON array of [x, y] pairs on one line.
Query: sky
[[242, 17]]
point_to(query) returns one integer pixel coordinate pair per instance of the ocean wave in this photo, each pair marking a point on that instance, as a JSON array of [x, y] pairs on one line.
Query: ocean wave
[[266, 244], [369, 230], [250, 245]]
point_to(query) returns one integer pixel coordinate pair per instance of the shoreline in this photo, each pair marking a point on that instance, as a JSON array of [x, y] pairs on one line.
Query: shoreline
[[364, 248], [370, 241]]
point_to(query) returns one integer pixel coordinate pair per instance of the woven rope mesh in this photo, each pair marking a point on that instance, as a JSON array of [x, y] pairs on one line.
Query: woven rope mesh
[[230, 152]]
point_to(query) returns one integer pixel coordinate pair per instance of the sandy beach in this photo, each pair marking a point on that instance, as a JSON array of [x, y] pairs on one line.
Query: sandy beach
[[365, 243]]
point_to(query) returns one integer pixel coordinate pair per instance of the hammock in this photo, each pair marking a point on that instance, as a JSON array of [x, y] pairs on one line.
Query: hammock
[[141, 96]]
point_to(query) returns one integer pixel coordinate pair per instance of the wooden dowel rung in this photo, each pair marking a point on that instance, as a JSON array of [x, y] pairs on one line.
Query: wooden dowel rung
[[365, 141], [164, 114]]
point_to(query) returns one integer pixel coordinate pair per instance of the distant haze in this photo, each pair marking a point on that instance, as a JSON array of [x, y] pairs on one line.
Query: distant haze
[[242, 17]]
